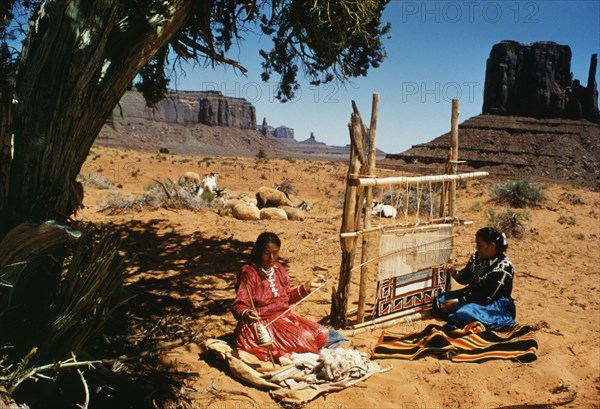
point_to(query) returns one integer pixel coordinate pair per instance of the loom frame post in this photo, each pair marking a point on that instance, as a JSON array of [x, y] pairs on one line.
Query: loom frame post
[[366, 246]]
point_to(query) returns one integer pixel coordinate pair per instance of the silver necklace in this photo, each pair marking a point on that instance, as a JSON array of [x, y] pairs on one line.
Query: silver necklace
[[270, 273]]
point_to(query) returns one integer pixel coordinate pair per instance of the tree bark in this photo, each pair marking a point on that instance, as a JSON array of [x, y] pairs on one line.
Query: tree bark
[[78, 60]]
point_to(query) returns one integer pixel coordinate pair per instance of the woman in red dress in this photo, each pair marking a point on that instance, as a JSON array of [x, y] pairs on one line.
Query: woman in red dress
[[268, 283]]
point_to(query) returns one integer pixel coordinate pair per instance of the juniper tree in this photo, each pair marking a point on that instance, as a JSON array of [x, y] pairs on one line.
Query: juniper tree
[[66, 63]]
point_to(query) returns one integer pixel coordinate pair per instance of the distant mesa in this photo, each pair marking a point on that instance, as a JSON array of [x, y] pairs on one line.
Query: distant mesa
[[537, 121], [279, 132], [207, 123], [535, 80]]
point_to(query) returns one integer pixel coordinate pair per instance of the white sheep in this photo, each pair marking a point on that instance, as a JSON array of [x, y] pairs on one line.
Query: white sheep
[[190, 181], [210, 182], [245, 211], [293, 213], [383, 210], [272, 213], [269, 197]]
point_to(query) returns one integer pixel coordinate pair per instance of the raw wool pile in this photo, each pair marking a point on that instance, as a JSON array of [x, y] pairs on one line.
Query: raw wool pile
[[335, 364]]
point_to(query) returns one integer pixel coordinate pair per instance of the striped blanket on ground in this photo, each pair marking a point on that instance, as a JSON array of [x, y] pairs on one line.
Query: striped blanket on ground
[[473, 343]]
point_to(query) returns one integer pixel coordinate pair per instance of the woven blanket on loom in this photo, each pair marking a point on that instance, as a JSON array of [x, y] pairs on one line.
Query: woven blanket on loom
[[473, 343]]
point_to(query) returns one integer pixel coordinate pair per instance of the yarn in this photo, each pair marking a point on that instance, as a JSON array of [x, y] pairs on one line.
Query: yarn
[[264, 338], [335, 364]]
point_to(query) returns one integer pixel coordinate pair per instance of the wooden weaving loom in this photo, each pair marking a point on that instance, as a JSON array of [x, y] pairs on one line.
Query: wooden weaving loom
[[413, 247]]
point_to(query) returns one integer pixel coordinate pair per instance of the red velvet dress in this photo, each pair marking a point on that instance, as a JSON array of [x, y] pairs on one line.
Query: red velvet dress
[[291, 332]]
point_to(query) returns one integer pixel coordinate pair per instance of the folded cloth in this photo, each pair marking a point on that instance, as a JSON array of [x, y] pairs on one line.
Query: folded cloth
[[473, 343], [498, 313], [334, 338]]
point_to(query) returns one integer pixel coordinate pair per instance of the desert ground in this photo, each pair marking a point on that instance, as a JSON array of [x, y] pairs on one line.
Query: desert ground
[[184, 262]]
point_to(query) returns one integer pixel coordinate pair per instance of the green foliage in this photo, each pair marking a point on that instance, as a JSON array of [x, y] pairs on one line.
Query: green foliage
[[331, 39], [518, 193], [512, 222]]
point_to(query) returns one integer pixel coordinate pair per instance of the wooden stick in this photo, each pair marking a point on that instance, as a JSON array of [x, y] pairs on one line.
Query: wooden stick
[[390, 317], [295, 305], [362, 292], [454, 158], [399, 180], [444, 222], [409, 318]]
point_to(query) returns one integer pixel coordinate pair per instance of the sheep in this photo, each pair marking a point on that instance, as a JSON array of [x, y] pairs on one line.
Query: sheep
[[383, 210], [269, 197], [245, 211], [210, 182], [190, 181], [272, 213], [293, 213]]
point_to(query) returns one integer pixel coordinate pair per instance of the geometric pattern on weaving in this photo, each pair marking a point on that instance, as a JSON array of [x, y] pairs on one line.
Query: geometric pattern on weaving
[[411, 267], [403, 293]]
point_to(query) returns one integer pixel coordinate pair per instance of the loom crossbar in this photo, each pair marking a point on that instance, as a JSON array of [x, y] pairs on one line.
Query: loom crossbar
[[404, 180]]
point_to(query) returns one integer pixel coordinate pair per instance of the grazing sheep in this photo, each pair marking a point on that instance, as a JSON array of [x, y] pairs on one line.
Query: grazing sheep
[[383, 210], [269, 197], [293, 213], [245, 211], [210, 182], [190, 181], [272, 213]]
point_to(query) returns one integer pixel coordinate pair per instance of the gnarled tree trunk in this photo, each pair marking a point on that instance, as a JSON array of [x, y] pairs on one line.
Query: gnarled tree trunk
[[78, 60]]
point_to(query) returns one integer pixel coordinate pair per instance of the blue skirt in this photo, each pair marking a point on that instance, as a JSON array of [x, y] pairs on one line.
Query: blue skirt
[[499, 313]]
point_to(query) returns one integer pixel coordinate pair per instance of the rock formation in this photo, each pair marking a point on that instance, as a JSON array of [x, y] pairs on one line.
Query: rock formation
[[514, 147], [279, 132], [283, 132], [537, 122], [189, 108], [535, 80], [207, 123]]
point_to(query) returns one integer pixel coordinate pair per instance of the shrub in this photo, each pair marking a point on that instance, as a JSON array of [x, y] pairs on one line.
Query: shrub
[[512, 222], [164, 150], [94, 179], [518, 193], [287, 187], [571, 221], [160, 195], [261, 155]]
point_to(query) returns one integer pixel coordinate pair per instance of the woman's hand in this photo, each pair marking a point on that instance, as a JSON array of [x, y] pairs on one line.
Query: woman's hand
[[250, 316], [453, 272], [315, 283]]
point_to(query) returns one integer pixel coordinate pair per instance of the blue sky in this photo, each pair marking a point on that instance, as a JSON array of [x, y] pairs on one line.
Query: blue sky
[[437, 51]]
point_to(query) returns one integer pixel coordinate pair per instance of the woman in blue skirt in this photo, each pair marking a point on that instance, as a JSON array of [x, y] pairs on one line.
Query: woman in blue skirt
[[488, 277]]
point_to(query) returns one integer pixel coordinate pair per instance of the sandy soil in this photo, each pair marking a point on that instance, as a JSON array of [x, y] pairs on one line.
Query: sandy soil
[[188, 262]]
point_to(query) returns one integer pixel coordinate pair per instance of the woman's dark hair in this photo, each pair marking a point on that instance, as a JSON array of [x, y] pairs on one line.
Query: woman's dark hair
[[261, 242], [491, 235]]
